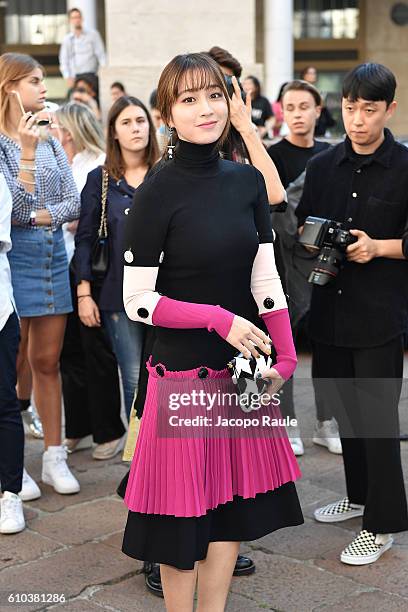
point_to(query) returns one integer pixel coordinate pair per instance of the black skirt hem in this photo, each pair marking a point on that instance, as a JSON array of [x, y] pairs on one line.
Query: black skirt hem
[[182, 541]]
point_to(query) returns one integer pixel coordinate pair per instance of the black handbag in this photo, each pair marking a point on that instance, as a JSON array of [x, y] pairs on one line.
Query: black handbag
[[100, 249]]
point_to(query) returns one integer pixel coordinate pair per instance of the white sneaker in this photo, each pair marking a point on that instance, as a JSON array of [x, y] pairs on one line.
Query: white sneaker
[[56, 473], [295, 440], [327, 434], [366, 548], [107, 450], [30, 490], [339, 511], [11, 513]]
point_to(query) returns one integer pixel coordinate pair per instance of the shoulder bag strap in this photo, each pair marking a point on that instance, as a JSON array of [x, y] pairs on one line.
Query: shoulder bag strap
[[103, 226]]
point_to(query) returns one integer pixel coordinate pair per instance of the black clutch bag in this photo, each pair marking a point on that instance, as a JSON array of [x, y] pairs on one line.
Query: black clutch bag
[[100, 249]]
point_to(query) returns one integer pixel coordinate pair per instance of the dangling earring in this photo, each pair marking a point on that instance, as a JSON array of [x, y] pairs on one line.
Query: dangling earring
[[170, 146]]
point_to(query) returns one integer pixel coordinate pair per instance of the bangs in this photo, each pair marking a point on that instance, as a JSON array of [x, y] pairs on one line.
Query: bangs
[[196, 78]]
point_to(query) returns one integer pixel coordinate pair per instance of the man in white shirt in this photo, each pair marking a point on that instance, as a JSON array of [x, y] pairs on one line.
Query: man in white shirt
[[11, 425], [82, 51]]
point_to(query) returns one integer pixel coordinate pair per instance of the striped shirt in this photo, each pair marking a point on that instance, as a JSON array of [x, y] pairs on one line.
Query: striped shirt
[[55, 187]]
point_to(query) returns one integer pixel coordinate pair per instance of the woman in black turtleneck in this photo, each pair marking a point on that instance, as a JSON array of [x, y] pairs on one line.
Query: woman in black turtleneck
[[199, 266]]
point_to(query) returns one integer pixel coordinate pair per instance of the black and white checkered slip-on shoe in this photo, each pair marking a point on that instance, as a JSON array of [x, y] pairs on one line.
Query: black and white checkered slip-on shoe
[[366, 548], [338, 511]]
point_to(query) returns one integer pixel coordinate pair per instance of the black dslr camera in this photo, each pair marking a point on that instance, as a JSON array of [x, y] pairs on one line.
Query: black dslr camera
[[331, 239]]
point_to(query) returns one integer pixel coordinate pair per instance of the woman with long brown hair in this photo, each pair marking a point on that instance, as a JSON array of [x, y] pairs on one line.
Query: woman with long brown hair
[[131, 150], [44, 197], [199, 266]]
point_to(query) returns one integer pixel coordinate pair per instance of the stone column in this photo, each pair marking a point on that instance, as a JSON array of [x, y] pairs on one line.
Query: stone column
[[278, 45], [88, 9], [143, 36]]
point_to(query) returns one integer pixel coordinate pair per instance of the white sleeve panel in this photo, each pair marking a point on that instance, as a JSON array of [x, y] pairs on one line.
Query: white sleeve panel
[[266, 286], [139, 295]]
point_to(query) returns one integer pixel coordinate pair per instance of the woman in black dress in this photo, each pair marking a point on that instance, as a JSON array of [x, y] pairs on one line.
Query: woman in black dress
[[199, 259]]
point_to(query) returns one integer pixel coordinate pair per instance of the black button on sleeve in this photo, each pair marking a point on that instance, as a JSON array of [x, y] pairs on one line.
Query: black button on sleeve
[[268, 303], [143, 313]]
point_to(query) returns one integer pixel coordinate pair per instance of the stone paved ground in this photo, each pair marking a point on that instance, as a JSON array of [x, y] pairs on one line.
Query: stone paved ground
[[72, 546]]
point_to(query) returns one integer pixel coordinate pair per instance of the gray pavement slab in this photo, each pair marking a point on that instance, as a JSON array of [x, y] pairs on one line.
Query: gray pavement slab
[[72, 545]]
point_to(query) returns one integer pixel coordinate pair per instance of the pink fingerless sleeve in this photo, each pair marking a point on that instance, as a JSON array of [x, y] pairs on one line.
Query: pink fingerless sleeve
[[280, 332], [185, 315]]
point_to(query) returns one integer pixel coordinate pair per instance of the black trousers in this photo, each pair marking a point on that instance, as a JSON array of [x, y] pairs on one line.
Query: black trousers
[[363, 387], [11, 424], [324, 410], [90, 383]]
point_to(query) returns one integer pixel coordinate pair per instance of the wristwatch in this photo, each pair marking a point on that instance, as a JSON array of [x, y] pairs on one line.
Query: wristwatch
[[33, 218]]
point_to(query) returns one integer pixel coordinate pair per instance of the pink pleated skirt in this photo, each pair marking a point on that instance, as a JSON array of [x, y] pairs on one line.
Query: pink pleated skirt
[[181, 475]]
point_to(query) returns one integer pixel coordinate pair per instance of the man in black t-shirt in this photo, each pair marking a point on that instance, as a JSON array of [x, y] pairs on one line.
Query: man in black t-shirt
[[301, 103]]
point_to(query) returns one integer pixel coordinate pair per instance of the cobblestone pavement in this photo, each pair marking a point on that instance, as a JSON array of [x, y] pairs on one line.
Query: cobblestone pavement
[[72, 546]]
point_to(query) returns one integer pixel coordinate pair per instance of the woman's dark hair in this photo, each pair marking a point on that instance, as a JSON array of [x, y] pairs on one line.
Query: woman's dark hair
[[370, 81], [234, 147], [118, 85], [153, 99], [226, 60], [280, 94], [89, 79], [114, 159], [257, 84], [298, 85]]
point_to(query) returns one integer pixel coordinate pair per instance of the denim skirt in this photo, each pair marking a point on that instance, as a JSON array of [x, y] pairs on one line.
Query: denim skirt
[[39, 272]]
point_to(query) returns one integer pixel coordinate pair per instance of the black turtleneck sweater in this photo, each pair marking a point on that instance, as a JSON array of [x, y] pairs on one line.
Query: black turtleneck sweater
[[201, 220]]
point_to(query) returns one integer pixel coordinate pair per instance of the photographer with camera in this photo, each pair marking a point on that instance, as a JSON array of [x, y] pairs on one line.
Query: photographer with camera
[[357, 194]]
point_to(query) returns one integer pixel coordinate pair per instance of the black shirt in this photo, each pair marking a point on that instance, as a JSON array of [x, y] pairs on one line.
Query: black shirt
[[261, 110], [290, 160], [207, 216], [367, 304]]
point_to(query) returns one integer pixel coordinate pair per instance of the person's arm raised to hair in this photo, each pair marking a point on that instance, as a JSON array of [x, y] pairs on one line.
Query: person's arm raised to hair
[[241, 120], [145, 235], [268, 293]]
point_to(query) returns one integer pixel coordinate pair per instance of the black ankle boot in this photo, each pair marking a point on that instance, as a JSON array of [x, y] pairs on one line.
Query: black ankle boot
[[244, 566], [152, 578]]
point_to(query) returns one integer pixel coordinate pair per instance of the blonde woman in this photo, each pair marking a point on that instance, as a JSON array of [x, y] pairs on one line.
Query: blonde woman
[[44, 197], [89, 370]]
